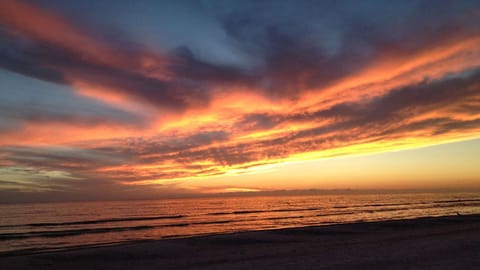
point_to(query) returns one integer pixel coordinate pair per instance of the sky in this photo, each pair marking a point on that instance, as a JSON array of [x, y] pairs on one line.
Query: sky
[[145, 99]]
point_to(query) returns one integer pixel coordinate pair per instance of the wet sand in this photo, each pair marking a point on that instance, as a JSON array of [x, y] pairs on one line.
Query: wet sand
[[426, 243]]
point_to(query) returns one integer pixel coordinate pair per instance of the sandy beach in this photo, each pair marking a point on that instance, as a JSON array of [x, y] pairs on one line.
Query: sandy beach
[[451, 242]]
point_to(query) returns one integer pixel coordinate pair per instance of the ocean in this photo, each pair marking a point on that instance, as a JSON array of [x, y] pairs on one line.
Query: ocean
[[53, 226]]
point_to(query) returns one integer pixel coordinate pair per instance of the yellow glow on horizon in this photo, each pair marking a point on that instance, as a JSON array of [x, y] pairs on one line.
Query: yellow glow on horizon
[[344, 152]]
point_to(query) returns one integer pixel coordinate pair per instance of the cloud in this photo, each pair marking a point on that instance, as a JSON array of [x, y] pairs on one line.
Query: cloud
[[22, 105], [402, 113], [342, 78], [291, 60], [71, 55]]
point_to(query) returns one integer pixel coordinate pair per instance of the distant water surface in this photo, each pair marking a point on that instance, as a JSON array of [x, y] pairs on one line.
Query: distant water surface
[[47, 226]]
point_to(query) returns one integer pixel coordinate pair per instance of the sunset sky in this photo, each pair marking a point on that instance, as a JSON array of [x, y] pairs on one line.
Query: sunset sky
[[145, 99]]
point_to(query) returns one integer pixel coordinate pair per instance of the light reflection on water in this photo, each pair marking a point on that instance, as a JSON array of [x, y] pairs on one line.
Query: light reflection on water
[[60, 225]]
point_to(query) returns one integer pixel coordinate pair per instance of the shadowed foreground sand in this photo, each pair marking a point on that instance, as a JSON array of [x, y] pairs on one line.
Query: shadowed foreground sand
[[426, 243]]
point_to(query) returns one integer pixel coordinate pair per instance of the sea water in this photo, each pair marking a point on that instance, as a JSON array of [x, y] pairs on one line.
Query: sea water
[[50, 226]]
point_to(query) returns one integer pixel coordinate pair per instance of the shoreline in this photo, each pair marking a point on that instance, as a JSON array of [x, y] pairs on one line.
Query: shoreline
[[34, 251], [394, 244]]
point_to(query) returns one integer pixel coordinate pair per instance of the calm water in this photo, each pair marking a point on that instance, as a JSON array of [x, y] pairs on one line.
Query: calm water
[[62, 225]]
